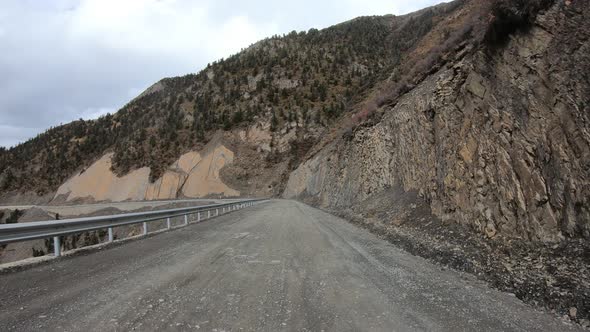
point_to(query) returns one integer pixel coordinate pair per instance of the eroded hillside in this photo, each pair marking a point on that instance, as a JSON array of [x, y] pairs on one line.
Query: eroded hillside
[[497, 138], [292, 87]]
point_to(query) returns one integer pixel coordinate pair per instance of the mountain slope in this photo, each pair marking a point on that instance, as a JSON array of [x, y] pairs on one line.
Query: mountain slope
[[498, 138], [302, 80]]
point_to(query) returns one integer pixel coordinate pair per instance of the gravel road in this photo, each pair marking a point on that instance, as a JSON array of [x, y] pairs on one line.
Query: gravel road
[[278, 266]]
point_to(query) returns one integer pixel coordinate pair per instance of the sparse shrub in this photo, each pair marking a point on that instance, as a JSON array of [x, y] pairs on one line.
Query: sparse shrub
[[238, 117], [38, 252], [14, 216], [509, 16], [274, 122], [365, 113], [348, 135]]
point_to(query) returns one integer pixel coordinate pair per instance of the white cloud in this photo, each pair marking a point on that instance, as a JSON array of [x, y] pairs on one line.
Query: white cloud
[[163, 27], [12, 135], [236, 33], [91, 113], [378, 7]]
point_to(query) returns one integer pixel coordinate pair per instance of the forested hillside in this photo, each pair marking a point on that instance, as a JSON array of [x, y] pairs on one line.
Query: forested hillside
[[304, 79]]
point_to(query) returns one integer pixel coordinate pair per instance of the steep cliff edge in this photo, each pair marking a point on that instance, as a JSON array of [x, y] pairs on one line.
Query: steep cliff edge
[[498, 139]]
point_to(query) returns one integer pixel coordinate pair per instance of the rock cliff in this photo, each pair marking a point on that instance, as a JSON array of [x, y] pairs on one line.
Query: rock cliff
[[498, 139], [194, 174]]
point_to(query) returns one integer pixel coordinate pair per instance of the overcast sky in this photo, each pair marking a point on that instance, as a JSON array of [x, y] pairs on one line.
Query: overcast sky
[[61, 60]]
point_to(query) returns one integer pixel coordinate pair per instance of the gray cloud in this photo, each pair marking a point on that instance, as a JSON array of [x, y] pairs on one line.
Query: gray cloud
[[66, 59]]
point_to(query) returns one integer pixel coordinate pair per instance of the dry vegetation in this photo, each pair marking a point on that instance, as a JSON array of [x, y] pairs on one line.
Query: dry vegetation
[[477, 23]]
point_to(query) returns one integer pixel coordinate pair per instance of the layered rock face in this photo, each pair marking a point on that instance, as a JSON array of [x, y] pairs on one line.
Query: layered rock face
[[194, 174], [499, 139]]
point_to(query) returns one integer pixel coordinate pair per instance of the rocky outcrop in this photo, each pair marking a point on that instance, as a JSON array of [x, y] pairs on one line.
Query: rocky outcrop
[[194, 174], [498, 139], [203, 179], [99, 183]]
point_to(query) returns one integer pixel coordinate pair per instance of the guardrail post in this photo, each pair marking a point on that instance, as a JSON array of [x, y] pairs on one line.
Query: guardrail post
[[168, 222], [185, 219], [56, 246], [208, 214], [216, 212], [144, 228], [198, 216], [111, 234]]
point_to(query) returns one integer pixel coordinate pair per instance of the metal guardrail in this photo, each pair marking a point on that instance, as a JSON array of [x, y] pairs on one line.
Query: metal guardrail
[[56, 228]]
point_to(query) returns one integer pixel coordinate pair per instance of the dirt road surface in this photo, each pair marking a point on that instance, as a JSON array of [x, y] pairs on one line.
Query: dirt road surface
[[278, 266]]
